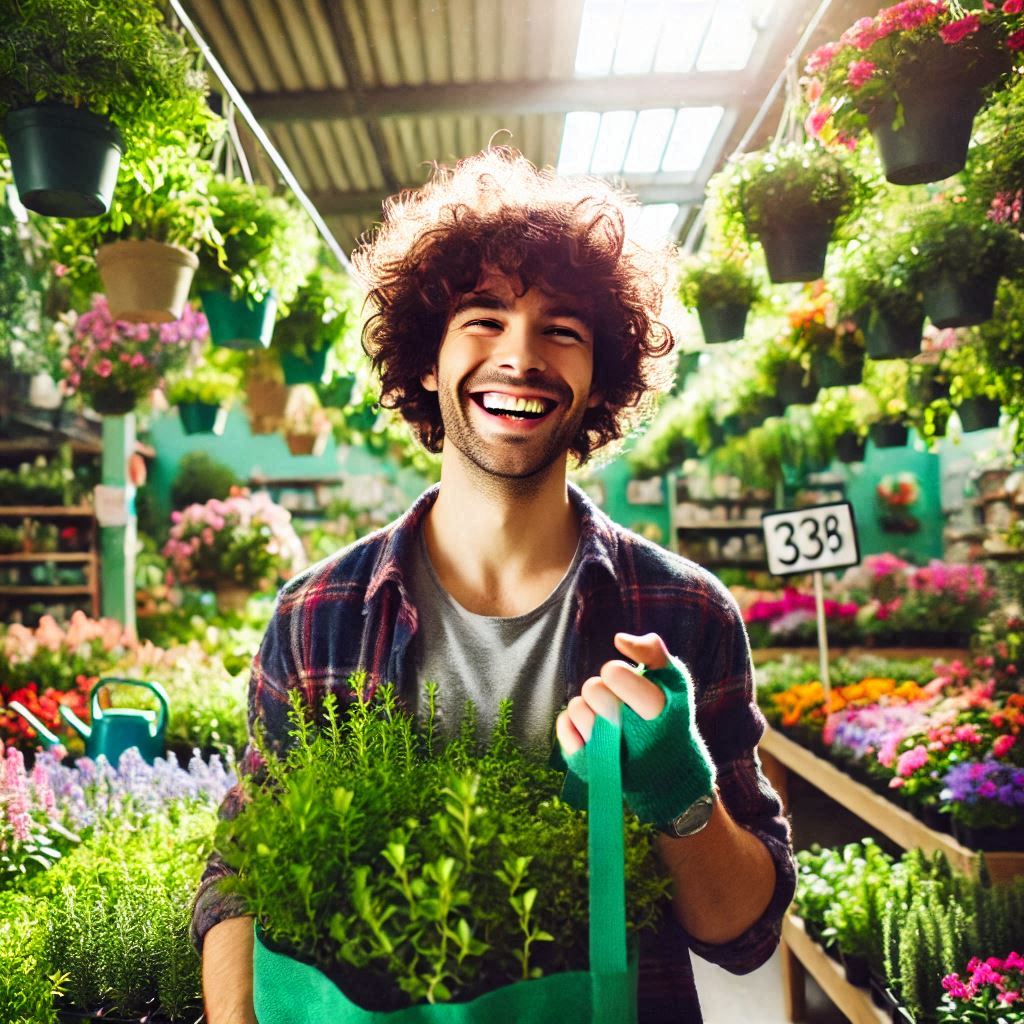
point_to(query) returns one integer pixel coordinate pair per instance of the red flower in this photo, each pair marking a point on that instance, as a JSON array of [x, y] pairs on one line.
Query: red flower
[[1013, 6], [957, 30], [1016, 40]]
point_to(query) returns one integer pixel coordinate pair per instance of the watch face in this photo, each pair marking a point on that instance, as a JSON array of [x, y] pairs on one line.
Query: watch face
[[694, 818]]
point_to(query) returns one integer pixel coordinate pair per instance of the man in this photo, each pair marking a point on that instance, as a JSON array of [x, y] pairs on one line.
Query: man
[[515, 325]]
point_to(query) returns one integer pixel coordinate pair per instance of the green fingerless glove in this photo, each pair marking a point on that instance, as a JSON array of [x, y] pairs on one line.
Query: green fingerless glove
[[666, 767]]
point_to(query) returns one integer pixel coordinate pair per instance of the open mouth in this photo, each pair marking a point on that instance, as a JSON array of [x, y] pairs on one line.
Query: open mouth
[[510, 408]]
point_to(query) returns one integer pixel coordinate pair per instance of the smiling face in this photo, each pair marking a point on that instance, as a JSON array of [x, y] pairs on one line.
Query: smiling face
[[513, 377]]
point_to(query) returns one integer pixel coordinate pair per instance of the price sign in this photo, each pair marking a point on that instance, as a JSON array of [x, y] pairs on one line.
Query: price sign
[[810, 539]]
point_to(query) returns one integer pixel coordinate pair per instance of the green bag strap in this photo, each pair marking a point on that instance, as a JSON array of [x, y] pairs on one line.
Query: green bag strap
[[606, 849]]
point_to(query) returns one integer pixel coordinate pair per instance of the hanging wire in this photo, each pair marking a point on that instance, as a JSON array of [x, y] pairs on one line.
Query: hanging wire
[[264, 140]]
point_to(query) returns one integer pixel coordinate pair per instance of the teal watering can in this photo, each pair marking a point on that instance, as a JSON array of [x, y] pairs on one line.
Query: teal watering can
[[113, 730]]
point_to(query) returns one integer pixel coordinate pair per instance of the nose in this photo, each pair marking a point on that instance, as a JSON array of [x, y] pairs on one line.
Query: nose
[[520, 347]]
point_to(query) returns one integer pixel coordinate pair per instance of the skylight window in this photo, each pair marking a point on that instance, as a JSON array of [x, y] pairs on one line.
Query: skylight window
[[650, 137], [612, 140], [651, 225], [691, 136], [681, 35], [578, 137], [730, 39], [638, 38]]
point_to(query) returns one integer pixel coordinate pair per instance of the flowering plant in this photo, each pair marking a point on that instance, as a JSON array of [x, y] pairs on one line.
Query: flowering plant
[[985, 794], [304, 414], [114, 357], [898, 490], [851, 81], [246, 540], [993, 992]]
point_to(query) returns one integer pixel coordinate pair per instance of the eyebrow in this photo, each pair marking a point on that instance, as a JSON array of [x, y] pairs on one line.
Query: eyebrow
[[488, 300]]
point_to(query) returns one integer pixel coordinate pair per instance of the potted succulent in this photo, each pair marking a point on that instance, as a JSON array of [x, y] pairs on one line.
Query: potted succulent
[[323, 318], [790, 199], [914, 75], [306, 426], [145, 248], [78, 86], [722, 291], [956, 256], [269, 250], [203, 391]]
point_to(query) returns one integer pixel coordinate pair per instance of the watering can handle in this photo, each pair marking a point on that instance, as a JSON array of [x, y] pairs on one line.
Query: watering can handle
[[156, 688], [48, 738]]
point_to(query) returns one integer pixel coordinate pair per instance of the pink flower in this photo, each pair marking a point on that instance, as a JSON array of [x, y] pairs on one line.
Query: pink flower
[[911, 760], [1016, 40], [104, 368], [1002, 745], [1013, 6], [816, 121], [138, 360], [822, 57], [956, 988], [960, 29], [859, 72], [814, 87]]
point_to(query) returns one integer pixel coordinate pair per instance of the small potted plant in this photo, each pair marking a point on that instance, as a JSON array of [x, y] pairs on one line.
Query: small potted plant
[[914, 75], [269, 250], [307, 425], [721, 290], [986, 797], [974, 392], [883, 405], [266, 394], [790, 199], [784, 363], [989, 992], [77, 88], [203, 391]]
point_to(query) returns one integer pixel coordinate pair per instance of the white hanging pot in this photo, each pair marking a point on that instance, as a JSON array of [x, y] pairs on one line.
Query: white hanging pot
[[44, 392]]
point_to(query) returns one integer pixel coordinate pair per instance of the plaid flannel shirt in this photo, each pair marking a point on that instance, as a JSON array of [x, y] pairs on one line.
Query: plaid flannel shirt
[[352, 611]]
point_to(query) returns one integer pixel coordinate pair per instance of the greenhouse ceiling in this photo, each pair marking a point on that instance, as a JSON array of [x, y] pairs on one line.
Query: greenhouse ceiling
[[360, 97]]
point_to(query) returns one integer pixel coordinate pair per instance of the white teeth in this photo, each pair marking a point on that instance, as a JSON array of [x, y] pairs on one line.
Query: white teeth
[[508, 403]]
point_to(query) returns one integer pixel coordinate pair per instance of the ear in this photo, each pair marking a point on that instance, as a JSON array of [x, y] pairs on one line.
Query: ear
[[429, 380]]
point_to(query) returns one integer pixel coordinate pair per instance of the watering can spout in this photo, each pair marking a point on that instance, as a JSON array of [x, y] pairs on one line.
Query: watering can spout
[[75, 722], [48, 738]]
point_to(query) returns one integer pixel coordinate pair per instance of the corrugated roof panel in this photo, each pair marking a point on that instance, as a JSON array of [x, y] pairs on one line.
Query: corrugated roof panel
[[328, 157], [355, 21], [554, 127], [380, 32], [409, 41], [511, 28], [210, 22], [462, 43], [560, 23], [435, 41], [430, 144], [285, 60], [448, 131], [542, 17], [398, 135], [364, 163], [311, 35], [294, 144], [247, 35]]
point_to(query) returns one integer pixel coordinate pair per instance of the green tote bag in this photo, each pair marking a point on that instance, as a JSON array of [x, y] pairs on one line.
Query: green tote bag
[[289, 992]]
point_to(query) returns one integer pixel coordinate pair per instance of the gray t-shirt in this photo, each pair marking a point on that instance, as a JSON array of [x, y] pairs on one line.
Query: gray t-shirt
[[486, 658]]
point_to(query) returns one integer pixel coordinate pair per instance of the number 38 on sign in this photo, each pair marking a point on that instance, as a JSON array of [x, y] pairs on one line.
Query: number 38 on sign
[[810, 539]]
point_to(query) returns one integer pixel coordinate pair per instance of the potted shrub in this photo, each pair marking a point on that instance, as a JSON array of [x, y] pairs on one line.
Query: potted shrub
[[307, 425], [145, 249], [114, 364], [323, 318], [203, 391], [77, 88], [721, 290], [269, 250], [914, 75], [956, 255], [790, 199]]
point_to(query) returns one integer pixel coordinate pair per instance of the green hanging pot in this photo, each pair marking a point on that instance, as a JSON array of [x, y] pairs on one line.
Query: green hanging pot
[[830, 372], [793, 387], [889, 336], [950, 302], [242, 324], [337, 392], [688, 363], [64, 159], [850, 447], [202, 417], [931, 141], [304, 370], [978, 413], [724, 322], [796, 251], [888, 434]]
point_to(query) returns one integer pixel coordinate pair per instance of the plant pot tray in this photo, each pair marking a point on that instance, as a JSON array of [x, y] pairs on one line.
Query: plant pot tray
[[891, 820]]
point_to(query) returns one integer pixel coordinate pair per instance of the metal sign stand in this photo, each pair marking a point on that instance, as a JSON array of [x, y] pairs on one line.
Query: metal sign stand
[[819, 604]]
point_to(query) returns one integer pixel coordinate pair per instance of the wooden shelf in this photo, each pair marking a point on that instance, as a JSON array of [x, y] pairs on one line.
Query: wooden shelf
[[767, 654], [46, 511], [44, 556], [891, 820], [801, 954], [45, 591]]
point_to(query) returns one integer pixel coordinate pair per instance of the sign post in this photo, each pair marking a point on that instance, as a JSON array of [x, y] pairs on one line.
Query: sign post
[[812, 540]]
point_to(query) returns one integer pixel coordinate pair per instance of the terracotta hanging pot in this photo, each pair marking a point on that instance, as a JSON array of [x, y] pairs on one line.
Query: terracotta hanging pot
[[266, 401], [146, 281], [850, 447], [306, 444]]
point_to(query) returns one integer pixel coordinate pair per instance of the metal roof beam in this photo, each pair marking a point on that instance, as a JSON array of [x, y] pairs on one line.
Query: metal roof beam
[[615, 92]]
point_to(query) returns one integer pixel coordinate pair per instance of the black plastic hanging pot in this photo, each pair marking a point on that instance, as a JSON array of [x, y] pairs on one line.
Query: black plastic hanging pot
[[850, 447], [978, 413], [830, 372], [949, 302], [724, 322], [793, 387], [112, 401], [64, 159], [680, 449], [796, 251], [931, 142], [888, 434], [890, 336]]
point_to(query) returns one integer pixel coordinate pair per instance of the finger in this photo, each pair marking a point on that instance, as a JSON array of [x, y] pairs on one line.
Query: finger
[[569, 738], [582, 716], [645, 697], [649, 649], [601, 700]]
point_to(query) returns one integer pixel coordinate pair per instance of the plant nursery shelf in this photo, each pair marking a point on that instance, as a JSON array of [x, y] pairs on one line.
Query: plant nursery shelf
[[898, 824], [44, 556], [44, 591], [10, 511], [800, 954]]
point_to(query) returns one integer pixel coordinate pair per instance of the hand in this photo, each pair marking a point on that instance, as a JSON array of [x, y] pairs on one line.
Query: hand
[[618, 681]]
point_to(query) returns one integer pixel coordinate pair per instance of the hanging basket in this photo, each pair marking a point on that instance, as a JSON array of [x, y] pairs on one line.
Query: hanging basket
[[309, 370], [202, 417], [307, 444], [725, 322], [793, 387], [894, 337], [888, 434], [978, 414], [795, 252], [830, 372], [850, 447], [145, 281], [949, 302], [931, 142], [112, 401], [242, 324], [64, 159], [337, 392]]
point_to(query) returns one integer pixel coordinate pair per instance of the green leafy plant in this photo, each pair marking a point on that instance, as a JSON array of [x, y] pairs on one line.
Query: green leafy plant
[[717, 281], [27, 990], [876, 275], [125, 64], [449, 871], [995, 163], [201, 477], [215, 378], [324, 315]]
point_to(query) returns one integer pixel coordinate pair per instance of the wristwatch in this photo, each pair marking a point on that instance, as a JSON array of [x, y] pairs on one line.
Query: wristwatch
[[692, 820]]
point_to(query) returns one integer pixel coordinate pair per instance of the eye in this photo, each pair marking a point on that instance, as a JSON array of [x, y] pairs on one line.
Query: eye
[[490, 324], [566, 331]]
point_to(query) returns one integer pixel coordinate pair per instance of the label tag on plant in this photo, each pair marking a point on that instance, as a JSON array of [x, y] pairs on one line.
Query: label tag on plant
[[811, 539], [111, 505]]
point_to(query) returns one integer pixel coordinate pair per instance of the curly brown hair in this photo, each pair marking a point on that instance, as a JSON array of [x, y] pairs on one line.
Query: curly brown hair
[[496, 210]]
